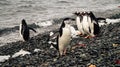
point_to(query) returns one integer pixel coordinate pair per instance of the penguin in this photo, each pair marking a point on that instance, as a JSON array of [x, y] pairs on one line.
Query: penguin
[[94, 26], [24, 30], [90, 24], [79, 23], [85, 23], [64, 37]]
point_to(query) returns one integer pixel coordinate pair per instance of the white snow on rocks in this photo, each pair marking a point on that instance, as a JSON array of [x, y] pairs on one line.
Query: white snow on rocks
[[74, 32], [20, 53], [109, 21], [112, 21], [37, 50], [3, 58]]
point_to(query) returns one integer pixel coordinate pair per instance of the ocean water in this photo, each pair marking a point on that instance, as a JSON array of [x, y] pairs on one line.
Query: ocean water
[[13, 11]]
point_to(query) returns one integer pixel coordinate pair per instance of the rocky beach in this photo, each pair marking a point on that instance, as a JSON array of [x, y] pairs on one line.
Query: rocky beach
[[45, 16], [101, 51]]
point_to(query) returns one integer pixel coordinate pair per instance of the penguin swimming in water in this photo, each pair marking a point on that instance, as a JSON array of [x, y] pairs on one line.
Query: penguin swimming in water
[[79, 23], [64, 37], [24, 30]]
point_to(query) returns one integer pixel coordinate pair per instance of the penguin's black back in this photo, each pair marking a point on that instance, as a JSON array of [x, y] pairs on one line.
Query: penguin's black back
[[96, 29], [25, 30], [96, 25], [61, 30]]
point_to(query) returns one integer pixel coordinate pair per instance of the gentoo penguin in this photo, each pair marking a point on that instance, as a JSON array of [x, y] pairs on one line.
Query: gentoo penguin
[[64, 37], [85, 23], [90, 24], [79, 23], [24, 30], [95, 29]]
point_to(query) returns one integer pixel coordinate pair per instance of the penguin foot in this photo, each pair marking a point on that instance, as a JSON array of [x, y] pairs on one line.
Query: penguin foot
[[87, 36], [80, 34], [64, 52]]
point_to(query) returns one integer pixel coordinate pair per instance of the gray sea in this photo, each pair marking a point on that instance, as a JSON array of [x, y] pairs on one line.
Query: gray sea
[[13, 11]]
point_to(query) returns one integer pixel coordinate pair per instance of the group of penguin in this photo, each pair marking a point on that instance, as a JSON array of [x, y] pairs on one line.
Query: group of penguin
[[87, 25]]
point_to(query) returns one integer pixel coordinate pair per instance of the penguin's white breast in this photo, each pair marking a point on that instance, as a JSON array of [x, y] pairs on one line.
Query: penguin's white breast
[[91, 24], [85, 21], [20, 30], [79, 24], [85, 24], [64, 40]]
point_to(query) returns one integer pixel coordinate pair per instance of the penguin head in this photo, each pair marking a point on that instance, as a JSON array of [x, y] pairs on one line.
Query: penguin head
[[67, 21], [76, 13], [24, 22], [91, 15], [84, 13]]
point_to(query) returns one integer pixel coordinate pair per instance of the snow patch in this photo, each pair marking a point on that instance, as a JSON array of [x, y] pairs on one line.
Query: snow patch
[[36, 50], [3, 58], [51, 46], [51, 33], [74, 32], [21, 53], [101, 24], [50, 42], [108, 21], [112, 21]]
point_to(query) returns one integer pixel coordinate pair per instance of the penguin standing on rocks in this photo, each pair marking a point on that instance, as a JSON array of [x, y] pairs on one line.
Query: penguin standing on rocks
[[94, 26], [79, 23], [64, 37], [85, 23], [24, 30], [90, 24]]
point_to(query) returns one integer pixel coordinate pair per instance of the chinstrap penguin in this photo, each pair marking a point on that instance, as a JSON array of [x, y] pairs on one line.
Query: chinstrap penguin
[[24, 30], [64, 37]]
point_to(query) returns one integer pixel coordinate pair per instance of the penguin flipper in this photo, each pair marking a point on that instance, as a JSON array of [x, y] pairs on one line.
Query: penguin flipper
[[56, 45], [95, 22], [32, 29], [100, 18]]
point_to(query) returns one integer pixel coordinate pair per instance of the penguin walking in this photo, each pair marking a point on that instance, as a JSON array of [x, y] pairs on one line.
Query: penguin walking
[[79, 23], [24, 30], [64, 37]]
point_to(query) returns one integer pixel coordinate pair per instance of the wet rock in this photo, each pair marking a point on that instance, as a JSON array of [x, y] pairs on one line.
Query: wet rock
[[102, 50]]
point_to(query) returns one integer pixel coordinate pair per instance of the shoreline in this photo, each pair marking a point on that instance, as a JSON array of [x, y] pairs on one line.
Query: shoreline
[[99, 51], [10, 33]]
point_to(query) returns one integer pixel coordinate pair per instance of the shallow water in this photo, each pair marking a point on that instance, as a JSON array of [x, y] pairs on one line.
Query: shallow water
[[13, 11]]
